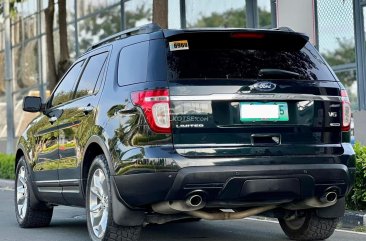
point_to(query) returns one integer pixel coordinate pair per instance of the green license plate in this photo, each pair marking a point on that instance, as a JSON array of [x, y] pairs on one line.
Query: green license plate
[[263, 111]]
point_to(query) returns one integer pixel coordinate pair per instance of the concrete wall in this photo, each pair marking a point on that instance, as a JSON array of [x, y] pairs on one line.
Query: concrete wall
[[2, 145], [298, 15], [360, 126]]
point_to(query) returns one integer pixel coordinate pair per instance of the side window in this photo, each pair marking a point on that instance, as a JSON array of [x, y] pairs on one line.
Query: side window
[[91, 74], [132, 65], [101, 75], [66, 88]]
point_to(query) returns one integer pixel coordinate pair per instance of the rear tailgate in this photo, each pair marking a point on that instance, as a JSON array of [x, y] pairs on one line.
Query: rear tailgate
[[220, 106]]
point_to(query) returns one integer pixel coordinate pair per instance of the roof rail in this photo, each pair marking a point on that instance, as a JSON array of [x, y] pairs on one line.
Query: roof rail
[[147, 28]]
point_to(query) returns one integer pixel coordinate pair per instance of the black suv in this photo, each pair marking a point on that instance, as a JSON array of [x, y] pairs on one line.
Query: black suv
[[153, 126]]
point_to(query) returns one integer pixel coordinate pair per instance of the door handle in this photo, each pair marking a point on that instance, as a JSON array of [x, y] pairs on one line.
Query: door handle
[[53, 119], [87, 109]]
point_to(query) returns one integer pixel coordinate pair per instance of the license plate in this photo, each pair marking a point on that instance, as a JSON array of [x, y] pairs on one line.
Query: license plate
[[263, 111]]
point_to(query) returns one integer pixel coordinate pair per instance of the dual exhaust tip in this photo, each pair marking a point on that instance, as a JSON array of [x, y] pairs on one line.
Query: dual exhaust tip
[[194, 200], [329, 197]]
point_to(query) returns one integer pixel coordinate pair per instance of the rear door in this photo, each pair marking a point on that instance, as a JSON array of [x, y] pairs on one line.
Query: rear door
[[76, 125], [251, 94]]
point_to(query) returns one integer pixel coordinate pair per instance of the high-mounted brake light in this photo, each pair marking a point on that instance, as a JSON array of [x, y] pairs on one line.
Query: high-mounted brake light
[[155, 104], [248, 35], [346, 111]]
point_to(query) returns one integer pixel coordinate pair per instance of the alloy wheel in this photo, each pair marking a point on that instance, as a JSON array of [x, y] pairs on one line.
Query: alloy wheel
[[98, 203], [22, 192]]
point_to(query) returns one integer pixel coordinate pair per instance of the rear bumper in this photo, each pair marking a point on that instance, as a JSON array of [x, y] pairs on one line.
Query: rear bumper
[[230, 182], [231, 186]]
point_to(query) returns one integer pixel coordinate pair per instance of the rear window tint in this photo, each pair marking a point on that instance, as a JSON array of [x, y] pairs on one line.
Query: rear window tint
[[132, 65], [157, 69], [245, 63]]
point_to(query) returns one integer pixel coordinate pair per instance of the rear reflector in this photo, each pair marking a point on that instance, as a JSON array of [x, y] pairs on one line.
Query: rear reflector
[[346, 111], [155, 105]]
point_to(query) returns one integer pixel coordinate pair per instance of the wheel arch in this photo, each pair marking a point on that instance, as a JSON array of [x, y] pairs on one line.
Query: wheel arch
[[21, 151], [94, 147], [35, 200], [18, 155], [122, 215]]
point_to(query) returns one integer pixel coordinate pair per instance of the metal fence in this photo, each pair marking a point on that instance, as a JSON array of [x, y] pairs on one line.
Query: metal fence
[[337, 41]]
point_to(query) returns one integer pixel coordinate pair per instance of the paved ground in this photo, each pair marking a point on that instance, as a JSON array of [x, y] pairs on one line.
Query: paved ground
[[68, 224]]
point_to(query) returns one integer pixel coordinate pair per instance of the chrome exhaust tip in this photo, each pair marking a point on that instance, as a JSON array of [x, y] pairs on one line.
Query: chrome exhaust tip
[[329, 197], [194, 200]]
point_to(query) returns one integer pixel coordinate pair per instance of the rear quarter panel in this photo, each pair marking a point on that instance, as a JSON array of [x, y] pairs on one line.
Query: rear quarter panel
[[124, 129]]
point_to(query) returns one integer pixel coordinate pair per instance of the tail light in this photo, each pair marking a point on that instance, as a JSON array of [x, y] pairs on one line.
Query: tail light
[[155, 104], [346, 111]]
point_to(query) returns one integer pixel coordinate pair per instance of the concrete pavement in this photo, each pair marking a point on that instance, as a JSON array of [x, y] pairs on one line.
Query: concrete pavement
[[69, 224], [7, 184]]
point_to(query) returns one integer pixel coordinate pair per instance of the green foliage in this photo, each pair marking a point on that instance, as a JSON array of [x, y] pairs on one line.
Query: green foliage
[[345, 53], [7, 166], [265, 18], [13, 9], [359, 229], [232, 18], [141, 12], [109, 22], [356, 200]]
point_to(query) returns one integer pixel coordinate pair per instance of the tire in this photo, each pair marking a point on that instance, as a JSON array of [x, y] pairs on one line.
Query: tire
[[309, 226], [26, 215], [99, 200]]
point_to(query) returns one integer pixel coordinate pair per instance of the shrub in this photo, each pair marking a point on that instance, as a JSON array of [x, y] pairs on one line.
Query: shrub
[[7, 166], [356, 200]]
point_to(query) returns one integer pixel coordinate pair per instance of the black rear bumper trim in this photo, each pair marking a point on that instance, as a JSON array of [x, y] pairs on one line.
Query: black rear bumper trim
[[236, 183]]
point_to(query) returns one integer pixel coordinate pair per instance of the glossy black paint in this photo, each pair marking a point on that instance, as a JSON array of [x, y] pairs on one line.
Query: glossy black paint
[[308, 132], [145, 165], [32, 104]]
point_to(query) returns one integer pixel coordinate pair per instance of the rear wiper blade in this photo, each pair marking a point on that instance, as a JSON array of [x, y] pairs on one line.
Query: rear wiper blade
[[277, 73]]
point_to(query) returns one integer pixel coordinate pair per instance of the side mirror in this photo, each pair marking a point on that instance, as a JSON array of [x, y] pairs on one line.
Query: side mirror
[[32, 104]]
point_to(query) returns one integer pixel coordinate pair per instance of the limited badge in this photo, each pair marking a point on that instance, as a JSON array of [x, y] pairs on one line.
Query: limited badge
[[178, 45]]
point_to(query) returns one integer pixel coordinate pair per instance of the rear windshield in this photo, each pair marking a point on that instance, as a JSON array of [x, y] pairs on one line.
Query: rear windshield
[[245, 63]]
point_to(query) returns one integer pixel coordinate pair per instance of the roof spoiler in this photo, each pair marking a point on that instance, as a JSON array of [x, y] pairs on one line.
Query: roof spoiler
[[280, 39]]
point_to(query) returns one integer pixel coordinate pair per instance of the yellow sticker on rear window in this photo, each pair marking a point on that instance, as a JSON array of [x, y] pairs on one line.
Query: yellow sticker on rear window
[[178, 45]]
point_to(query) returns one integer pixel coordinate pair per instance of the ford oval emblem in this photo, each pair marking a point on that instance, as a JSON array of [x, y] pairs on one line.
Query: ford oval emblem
[[264, 86]]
